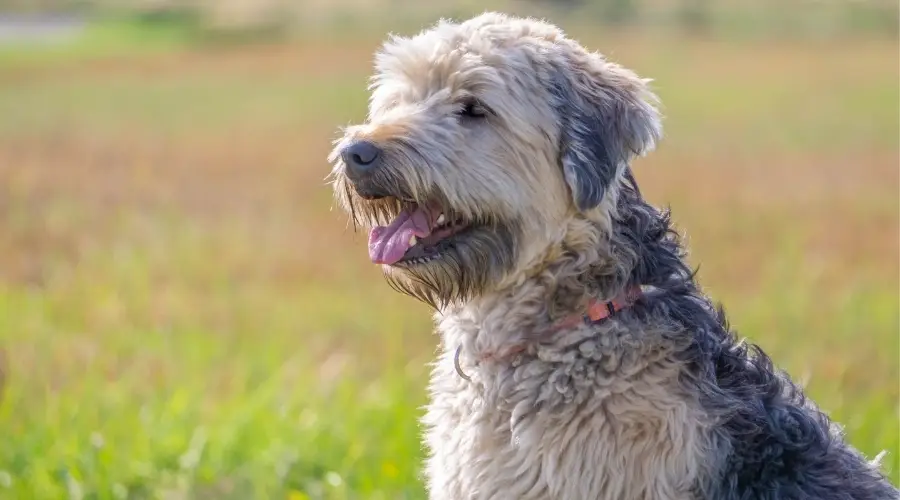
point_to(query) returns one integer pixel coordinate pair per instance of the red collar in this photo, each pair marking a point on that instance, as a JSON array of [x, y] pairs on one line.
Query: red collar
[[596, 311]]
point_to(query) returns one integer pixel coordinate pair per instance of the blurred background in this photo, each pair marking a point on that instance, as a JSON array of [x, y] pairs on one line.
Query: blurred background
[[183, 315]]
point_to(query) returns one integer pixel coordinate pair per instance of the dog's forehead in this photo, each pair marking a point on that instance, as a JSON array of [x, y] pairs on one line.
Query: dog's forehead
[[473, 57]]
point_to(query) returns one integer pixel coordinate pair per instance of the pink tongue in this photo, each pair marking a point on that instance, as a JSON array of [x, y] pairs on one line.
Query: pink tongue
[[388, 244]]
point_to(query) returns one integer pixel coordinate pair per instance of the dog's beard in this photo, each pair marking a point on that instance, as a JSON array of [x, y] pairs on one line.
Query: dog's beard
[[465, 269], [454, 269]]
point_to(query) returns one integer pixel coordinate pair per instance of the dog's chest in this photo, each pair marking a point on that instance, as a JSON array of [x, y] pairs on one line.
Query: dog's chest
[[568, 428]]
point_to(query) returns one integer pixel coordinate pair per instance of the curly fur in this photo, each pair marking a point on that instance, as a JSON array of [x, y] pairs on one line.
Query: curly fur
[[659, 401]]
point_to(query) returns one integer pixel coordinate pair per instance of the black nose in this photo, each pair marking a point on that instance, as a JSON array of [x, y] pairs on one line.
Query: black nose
[[361, 157]]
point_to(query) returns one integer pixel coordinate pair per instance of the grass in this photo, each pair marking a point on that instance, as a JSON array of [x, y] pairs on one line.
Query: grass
[[112, 37], [183, 317]]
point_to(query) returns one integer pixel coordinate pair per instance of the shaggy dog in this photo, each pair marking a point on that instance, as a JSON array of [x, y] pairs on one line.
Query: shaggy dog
[[579, 358]]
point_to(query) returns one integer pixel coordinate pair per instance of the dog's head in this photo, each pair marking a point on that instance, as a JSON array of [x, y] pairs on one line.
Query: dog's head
[[485, 142]]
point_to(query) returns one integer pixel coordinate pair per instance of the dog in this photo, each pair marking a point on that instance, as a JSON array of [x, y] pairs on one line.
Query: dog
[[578, 356]]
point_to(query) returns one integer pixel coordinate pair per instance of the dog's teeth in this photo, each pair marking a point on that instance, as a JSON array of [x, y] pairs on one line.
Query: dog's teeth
[[440, 219], [412, 240]]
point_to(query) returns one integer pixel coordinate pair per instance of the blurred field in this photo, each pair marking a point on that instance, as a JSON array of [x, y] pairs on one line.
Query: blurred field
[[183, 316]]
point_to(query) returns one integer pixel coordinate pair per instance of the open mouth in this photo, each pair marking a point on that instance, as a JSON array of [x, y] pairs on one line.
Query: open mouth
[[418, 234]]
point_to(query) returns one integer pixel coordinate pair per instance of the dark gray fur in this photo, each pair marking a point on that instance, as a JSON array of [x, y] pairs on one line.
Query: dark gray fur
[[773, 442], [588, 164], [602, 128]]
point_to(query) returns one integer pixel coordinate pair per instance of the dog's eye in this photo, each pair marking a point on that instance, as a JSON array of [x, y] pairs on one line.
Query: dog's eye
[[472, 109]]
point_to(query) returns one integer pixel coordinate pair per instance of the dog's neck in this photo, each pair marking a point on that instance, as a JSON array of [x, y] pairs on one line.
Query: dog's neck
[[629, 245], [596, 312], [531, 308]]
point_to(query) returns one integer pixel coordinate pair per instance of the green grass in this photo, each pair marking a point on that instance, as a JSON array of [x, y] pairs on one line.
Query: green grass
[[183, 317], [121, 383], [101, 38]]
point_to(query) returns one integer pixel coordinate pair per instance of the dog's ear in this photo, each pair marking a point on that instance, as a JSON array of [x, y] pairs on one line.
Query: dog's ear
[[607, 115]]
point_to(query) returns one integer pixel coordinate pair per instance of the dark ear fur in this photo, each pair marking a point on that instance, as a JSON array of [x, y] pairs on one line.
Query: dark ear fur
[[607, 115]]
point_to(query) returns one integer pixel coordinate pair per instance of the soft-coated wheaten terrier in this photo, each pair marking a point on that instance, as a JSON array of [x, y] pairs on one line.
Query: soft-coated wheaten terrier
[[579, 358]]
